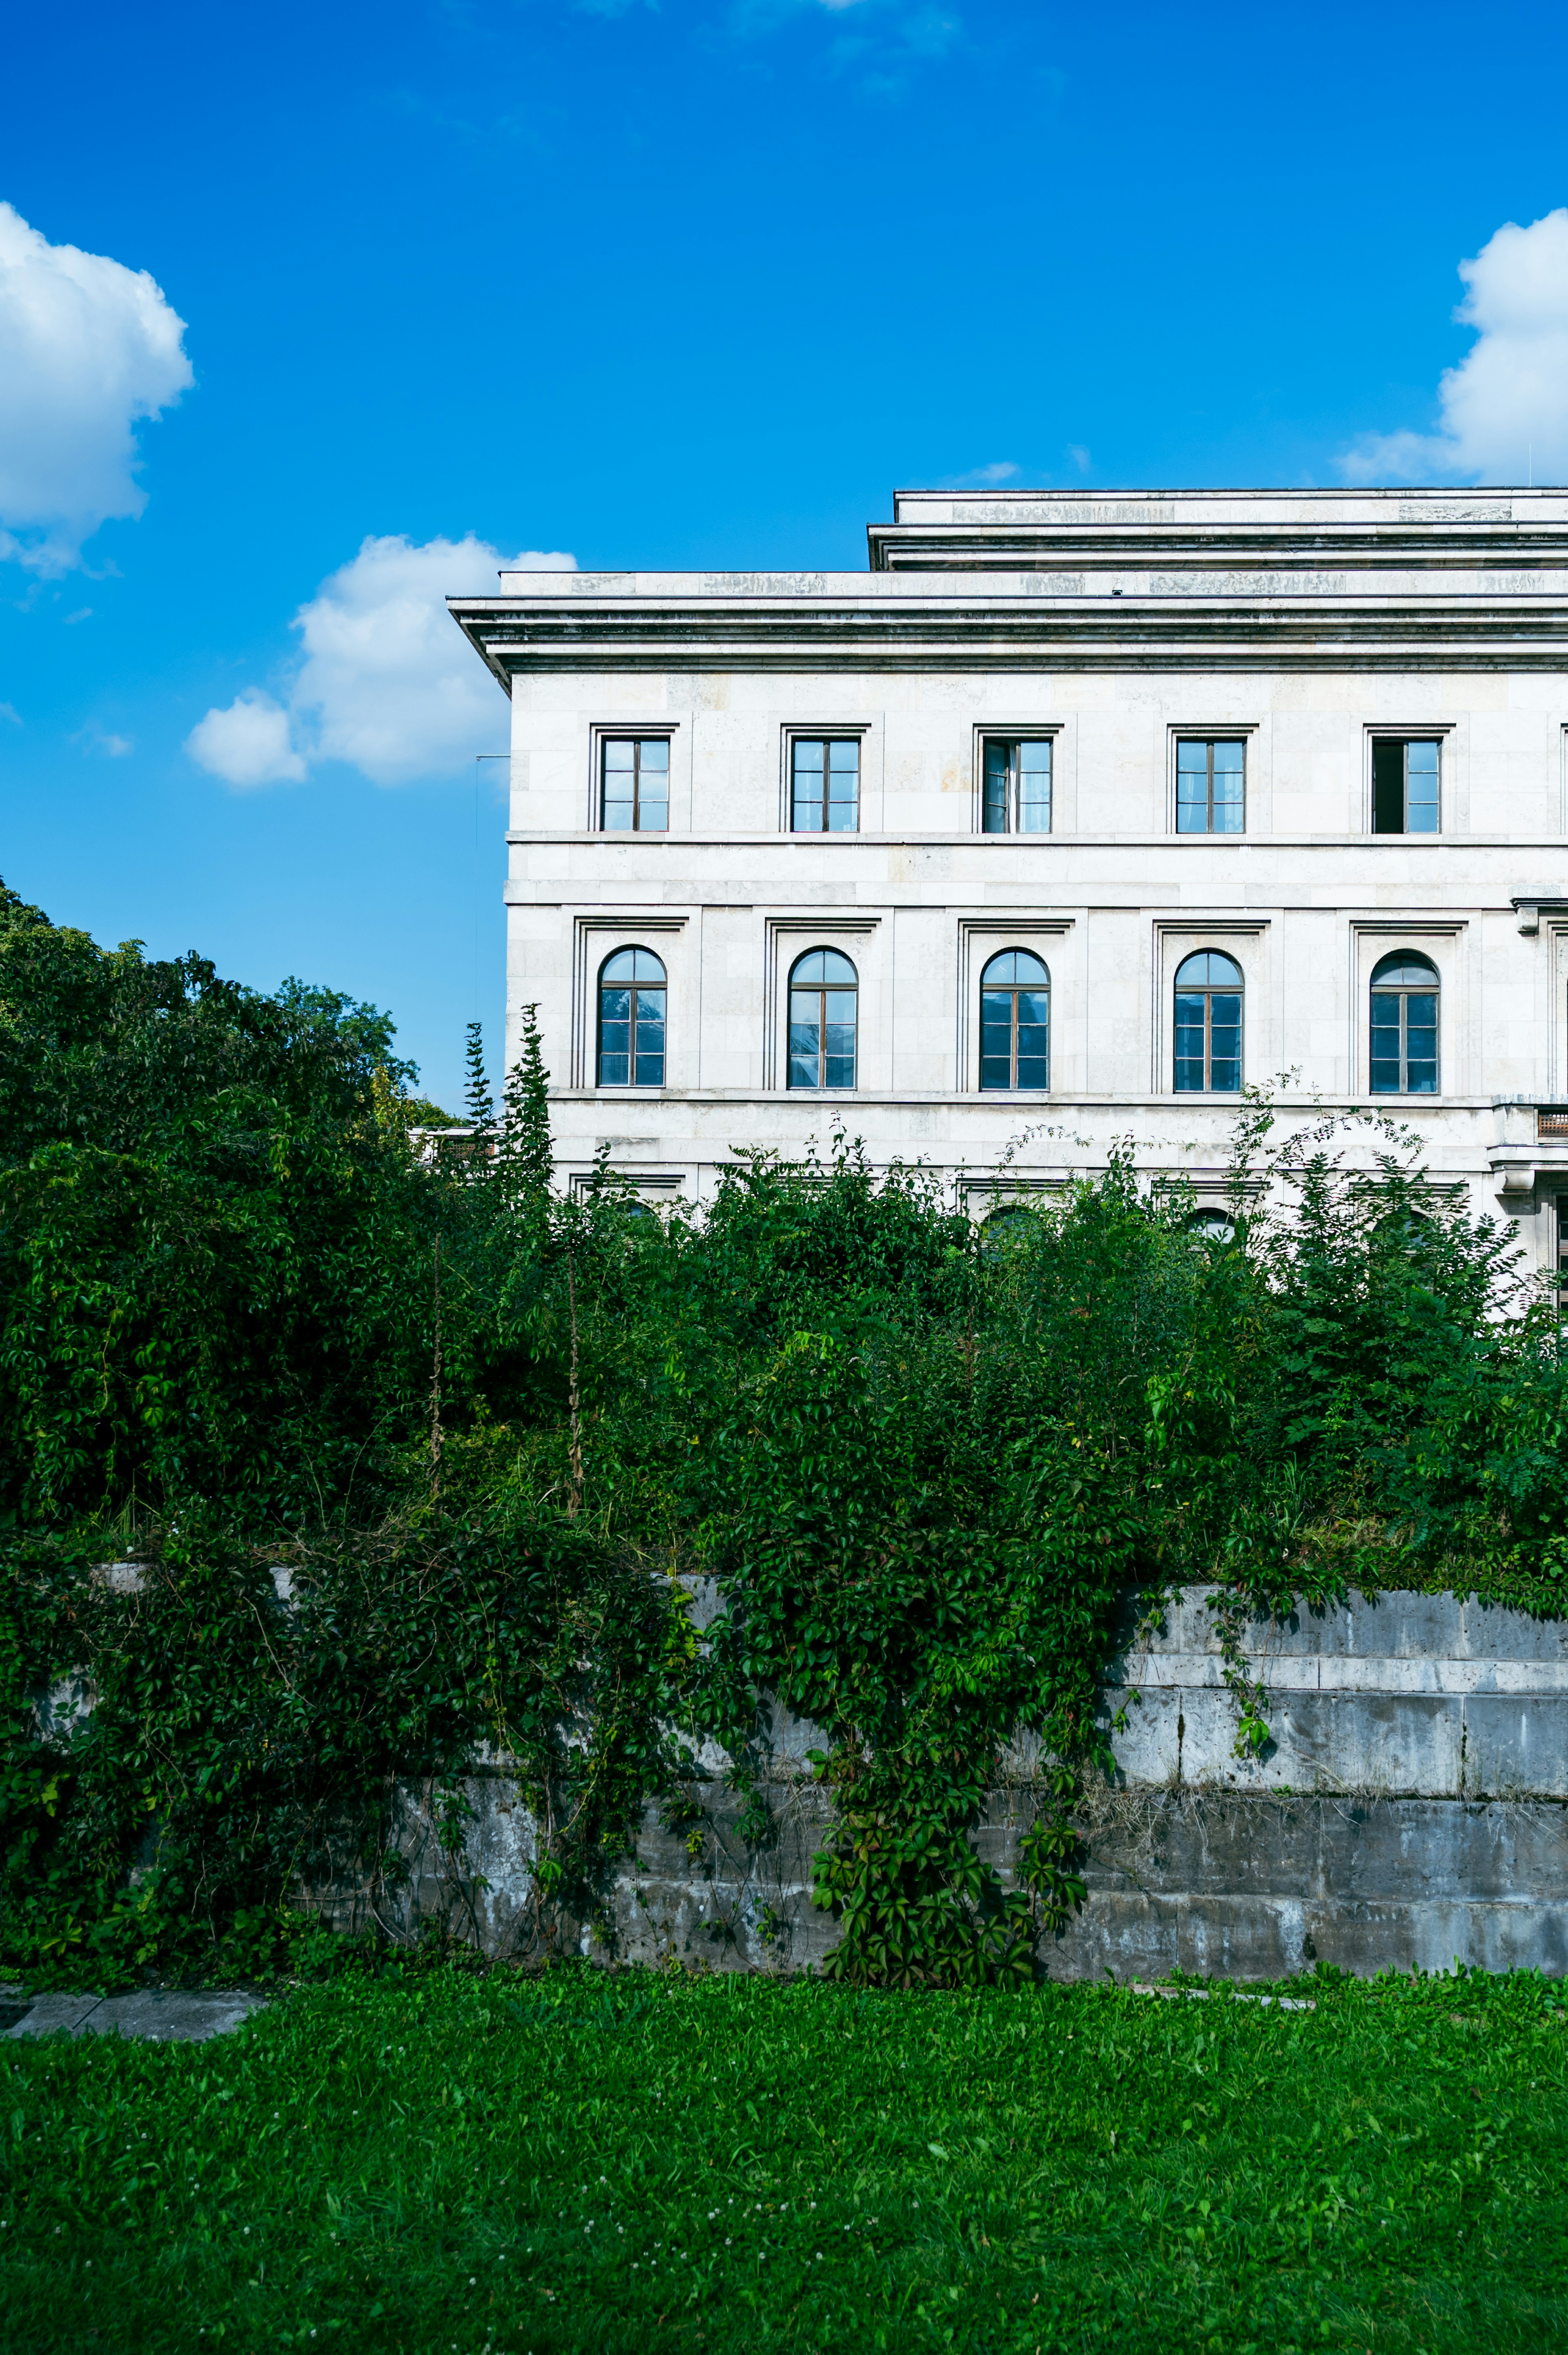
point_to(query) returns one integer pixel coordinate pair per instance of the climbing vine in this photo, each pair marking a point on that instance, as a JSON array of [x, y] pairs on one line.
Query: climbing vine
[[407, 1471]]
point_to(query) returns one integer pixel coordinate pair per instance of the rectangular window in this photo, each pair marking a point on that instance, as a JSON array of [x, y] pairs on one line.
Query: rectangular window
[[1404, 786], [825, 784], [1016, 791], [1211, 785], [636, 784]]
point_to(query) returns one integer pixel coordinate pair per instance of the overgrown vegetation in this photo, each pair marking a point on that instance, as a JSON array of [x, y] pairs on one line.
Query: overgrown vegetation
[[490, 1437], [580, 2162]]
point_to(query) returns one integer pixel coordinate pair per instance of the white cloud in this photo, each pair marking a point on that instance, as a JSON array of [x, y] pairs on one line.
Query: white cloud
[[8, 711], [386, 683], [87, 349], [1504, 408], [94, 739], [247, 744], [1002, 470]]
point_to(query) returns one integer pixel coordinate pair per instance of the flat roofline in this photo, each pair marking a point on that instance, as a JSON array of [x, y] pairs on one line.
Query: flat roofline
[[1235, 491]]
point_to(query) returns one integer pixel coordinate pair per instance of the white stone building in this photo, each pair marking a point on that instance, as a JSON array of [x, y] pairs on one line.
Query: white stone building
[[1070, 814]]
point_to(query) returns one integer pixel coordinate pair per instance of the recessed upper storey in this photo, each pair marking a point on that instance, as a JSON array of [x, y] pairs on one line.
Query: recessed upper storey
[[991, 530], [1066, 581]]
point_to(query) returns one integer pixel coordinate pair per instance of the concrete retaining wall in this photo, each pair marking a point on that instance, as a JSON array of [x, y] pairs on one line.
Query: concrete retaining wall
[[1410, 1807]]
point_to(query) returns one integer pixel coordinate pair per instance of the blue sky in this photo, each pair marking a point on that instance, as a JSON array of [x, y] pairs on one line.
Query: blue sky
[[688, 284]]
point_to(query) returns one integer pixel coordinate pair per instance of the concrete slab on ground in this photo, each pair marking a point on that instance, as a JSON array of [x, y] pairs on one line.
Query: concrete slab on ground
[[160, 2015]]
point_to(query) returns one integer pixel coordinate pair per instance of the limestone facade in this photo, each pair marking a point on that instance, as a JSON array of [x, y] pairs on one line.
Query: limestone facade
[[1315, 630]]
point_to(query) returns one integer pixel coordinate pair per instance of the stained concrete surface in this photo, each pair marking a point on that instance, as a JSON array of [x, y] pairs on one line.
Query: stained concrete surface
[[160, 2015]]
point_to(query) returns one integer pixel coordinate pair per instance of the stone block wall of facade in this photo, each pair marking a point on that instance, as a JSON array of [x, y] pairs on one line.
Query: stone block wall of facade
[[1308, 628]]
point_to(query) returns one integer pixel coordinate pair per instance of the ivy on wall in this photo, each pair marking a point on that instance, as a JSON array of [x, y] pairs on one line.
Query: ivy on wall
[[492, 1437]]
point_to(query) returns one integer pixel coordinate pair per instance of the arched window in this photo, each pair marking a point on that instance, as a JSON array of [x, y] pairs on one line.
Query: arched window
[[1209, 1024], [1015, 1022], [1005, 1228], [1404, 1026], [1211, 1226], [824, 994], [631, 1020]]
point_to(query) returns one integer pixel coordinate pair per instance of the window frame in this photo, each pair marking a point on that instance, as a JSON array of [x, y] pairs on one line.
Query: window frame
[[604, 737], [826, 732], [826, 737], [1015, 739], [1404, 992], [1435, 732], [821, 990], [1011, 990], [633, 948], [1208, 738], [1209, 991]]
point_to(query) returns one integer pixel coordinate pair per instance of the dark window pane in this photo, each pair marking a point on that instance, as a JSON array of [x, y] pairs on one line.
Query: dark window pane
[[996, 1072], [1224, 1044], [1404, 970], [996, 1021], [994, 814], [1388, 787], [803, 1071], [1384, 1073], [1033, 1072], [1190, 1027]]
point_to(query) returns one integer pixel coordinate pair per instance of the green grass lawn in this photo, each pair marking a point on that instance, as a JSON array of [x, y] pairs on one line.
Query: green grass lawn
[[443, 2161]]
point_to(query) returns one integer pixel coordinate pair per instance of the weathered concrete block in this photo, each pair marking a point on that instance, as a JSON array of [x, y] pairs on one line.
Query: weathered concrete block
[[159, 2015], [1408, 1807]]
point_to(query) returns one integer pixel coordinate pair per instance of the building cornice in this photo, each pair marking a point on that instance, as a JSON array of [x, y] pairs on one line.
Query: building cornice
[[816, 632]]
